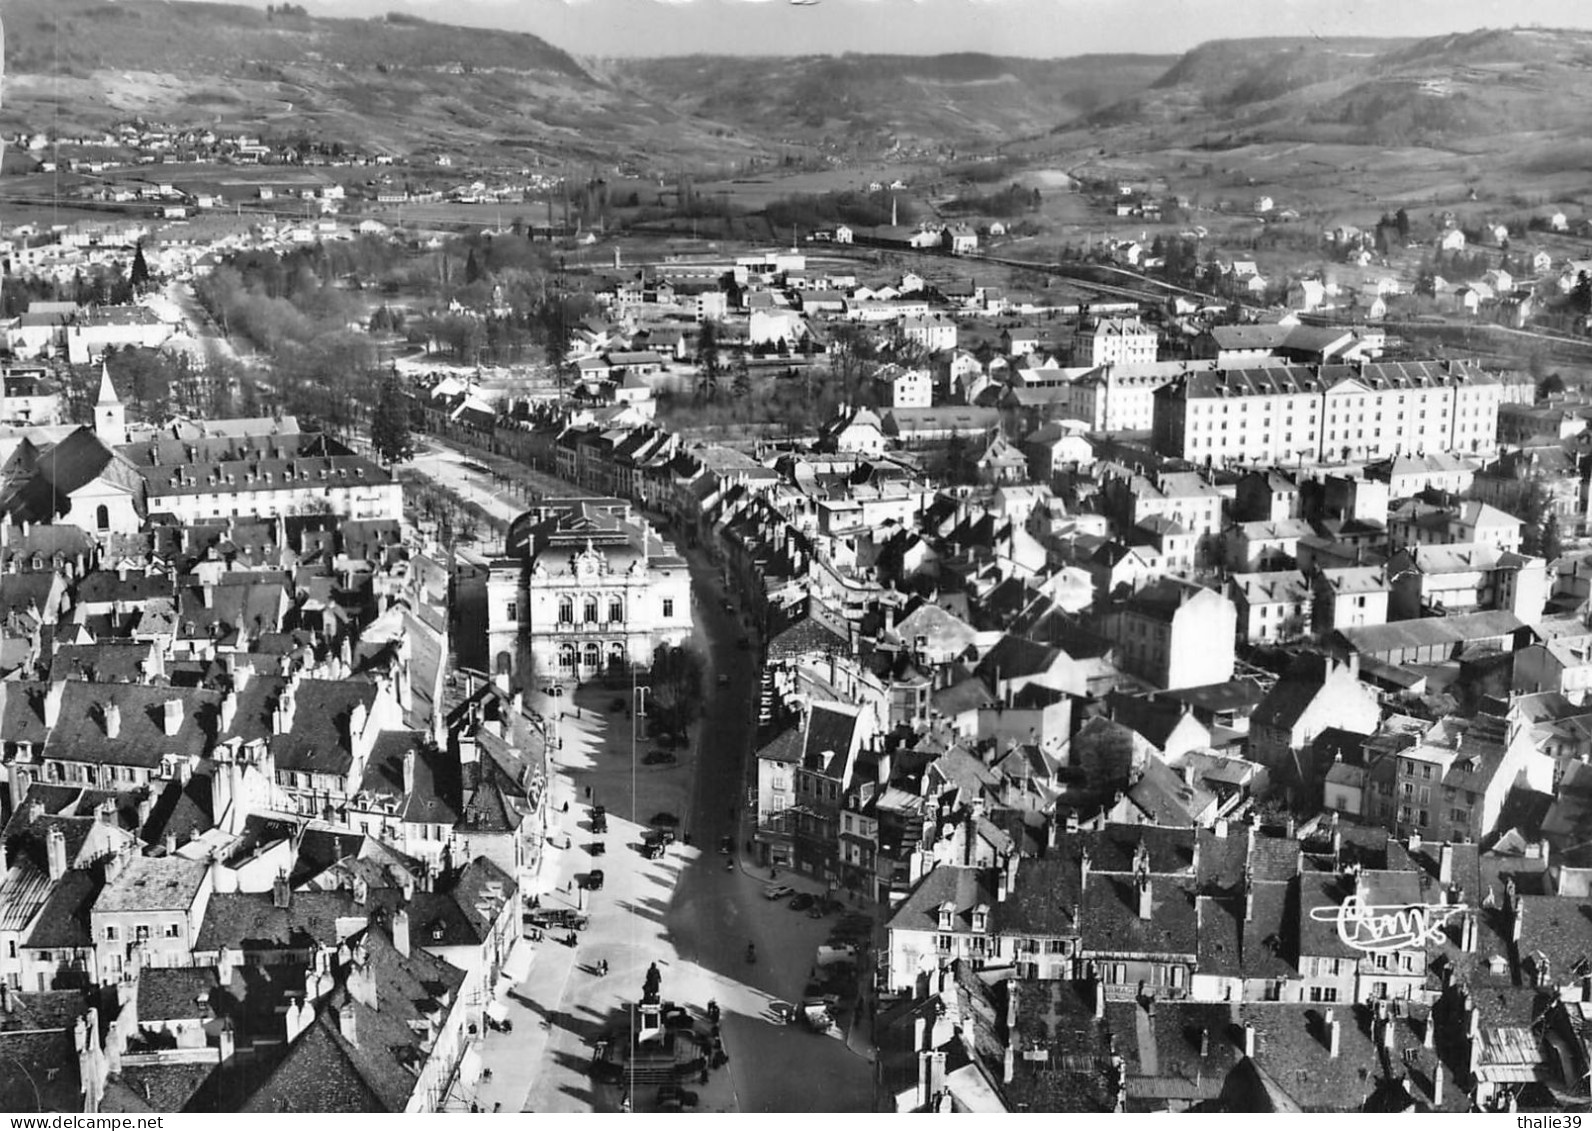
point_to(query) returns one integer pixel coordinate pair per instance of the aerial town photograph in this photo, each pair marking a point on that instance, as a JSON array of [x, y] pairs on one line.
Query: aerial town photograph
[[643, 556]]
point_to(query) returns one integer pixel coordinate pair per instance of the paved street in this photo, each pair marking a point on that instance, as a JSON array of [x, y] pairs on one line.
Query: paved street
[[687, 912]]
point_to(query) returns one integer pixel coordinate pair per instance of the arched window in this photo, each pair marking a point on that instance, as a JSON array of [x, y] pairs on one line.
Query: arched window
[[505, 663], [616, 656], [566, 657], [590, 611], [594, 655], [102, 517], [616, 610], [566, 610]]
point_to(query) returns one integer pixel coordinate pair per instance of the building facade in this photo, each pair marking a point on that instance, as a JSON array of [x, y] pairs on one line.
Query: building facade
[[586, 589], [1285, 413]]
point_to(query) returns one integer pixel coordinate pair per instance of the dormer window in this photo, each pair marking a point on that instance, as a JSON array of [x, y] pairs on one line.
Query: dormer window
[[947, 916], [981, 918]]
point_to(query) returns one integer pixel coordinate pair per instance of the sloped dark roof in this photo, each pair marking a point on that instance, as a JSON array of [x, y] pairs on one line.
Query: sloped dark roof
[[1111, 921], [806, 636], [319, 740], [65, 918], [252, 921], [1014, 657], [1042, 901], [175, 993]]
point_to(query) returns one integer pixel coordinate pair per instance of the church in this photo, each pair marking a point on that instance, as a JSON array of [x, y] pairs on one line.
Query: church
[[79, 480]]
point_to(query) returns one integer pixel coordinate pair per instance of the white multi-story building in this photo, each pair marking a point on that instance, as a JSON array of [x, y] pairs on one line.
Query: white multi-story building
[[261, 476], [1287, 413], [588, 587], [933, 333], [1120, 397], [1114, 341]]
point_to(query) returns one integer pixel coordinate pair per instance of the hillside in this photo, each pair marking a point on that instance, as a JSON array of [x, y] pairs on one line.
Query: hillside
[[872, 102], [403, 84], [391, 82], [1484, 88]]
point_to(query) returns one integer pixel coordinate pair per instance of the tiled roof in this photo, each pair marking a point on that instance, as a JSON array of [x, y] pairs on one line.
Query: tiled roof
[[103, 663], [1043, 899], [1111, 922], [319, 739], [323, 1071], [175, 993], [252, 921], [82, 733], [64, 919], [964, 888], [831, 730], [464, 914], [154, 883], [1014, 657]]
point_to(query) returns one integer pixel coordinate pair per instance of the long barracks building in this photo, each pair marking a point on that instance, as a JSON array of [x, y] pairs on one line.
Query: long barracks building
[[1280, 414]]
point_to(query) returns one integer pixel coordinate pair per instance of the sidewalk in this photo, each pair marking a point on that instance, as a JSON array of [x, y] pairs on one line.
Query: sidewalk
[[538, 980]]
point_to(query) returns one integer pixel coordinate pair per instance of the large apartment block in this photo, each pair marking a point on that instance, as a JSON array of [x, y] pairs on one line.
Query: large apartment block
[[1289, 413]]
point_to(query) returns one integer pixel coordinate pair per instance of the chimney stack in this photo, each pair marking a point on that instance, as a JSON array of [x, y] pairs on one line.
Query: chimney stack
[[209, 592], [1249, 1041], [229, 711], [347, 1024], [281, 893], [1334, 1038], [171, 718], [299, 1016], [52, 702], [282, 717], [1100, 997], [1445, 864], [55, 853], [1437, 1084], [931, 1076], [1146, 904], [409, 772], [1517, 915], [400, 931], [113, 720]]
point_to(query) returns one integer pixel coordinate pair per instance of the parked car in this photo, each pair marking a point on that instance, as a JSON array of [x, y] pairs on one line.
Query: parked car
[[658, 758], [672, 1097], [596, 848], [778, 891], [555, 918], [658, 836], [553, 689], [801, 901], [652, 851], [594, 880], [599, 819]]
